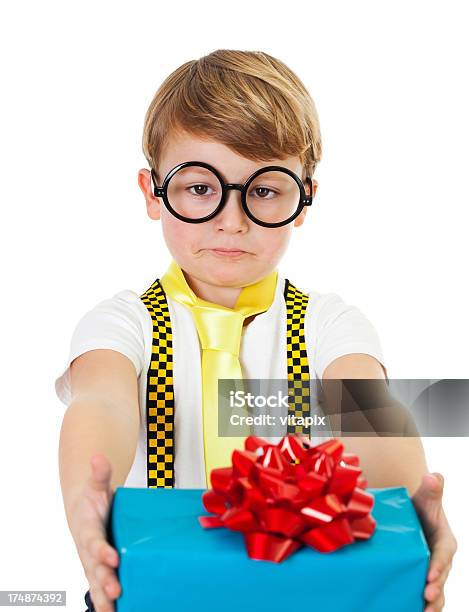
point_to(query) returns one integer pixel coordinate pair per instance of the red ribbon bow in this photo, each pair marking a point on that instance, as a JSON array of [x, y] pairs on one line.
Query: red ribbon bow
[[284, 495]]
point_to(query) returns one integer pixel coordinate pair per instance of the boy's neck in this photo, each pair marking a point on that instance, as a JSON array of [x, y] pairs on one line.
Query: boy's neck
[[224, 296]]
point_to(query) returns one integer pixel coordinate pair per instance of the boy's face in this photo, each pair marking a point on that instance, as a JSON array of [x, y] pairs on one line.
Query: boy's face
[[200, 249]]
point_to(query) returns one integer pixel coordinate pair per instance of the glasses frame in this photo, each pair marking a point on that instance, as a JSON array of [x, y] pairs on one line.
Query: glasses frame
[[162, 192]]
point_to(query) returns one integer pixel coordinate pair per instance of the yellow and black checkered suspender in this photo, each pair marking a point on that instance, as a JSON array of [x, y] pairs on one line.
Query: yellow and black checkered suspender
[[160, 392], [297, 358]]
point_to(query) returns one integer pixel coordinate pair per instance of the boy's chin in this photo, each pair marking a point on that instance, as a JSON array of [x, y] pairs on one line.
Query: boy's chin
[[230, 271]]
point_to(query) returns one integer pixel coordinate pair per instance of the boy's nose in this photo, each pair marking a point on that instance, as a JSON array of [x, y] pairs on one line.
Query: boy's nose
[[232, 217]]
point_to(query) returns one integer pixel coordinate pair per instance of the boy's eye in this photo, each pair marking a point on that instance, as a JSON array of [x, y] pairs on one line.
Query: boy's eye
[[262, 192], [200, 189]]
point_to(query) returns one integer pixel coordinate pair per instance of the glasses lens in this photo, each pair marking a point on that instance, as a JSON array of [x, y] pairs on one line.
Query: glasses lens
[[194, 192], [273, 196]]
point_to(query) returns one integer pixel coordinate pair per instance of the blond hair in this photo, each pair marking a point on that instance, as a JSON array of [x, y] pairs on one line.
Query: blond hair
[[247, 100]]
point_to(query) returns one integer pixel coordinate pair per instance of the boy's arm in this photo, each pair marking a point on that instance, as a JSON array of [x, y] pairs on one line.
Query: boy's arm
[[97, 446], [103, 416], [387, 461], [400, 461]]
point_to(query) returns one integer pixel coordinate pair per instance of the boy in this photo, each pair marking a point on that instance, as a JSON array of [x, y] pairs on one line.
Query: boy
[[216, 126]]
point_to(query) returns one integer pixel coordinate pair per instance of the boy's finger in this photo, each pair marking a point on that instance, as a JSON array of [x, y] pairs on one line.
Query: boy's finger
[[111, 556], [442, 555], [104, 575], [102, 552], [432, 592], [437, 606], [93, 542], [113, 588], [108, 581], [101, 602], [440, 581], [108, 555]]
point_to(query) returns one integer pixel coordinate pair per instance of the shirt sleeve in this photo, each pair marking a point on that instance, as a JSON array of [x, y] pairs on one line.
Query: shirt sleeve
[[335, 328], [113, 323]]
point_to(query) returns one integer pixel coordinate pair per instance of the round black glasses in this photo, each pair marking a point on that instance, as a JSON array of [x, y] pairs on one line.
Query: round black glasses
[[195, 192]]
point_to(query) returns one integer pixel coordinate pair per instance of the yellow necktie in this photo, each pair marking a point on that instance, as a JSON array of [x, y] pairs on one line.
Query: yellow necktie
[[219, 329]]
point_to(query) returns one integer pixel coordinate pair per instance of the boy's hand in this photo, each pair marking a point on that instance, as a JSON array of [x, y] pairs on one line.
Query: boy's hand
[[427, 501], [88, 520]]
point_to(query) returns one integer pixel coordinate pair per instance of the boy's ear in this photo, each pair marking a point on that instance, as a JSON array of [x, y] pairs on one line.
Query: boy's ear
[[153, 203], [315, 187], [300, 219]]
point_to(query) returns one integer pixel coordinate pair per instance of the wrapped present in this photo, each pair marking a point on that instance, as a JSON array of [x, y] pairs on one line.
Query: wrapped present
[[169, 561]]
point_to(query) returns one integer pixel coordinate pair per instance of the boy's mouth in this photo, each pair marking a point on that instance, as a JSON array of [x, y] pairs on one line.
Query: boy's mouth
[[228, 252]]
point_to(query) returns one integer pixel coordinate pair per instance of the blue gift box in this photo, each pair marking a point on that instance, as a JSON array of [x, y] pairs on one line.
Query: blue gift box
[[169, 562]]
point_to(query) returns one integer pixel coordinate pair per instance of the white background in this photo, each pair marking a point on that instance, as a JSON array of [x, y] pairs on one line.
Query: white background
[[388, 231]]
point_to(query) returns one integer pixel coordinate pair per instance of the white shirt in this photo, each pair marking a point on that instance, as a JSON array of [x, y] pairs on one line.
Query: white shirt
[[123, 323]]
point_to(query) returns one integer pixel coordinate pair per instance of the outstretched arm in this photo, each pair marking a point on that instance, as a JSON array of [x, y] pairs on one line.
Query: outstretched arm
[[400, 461], [98, 440]]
